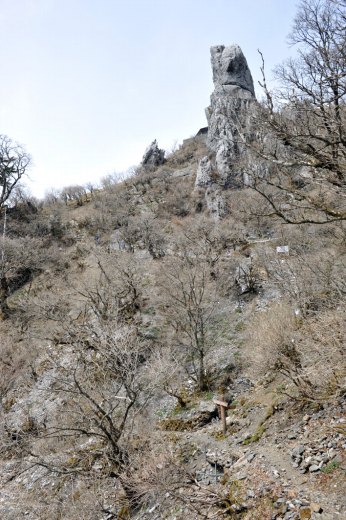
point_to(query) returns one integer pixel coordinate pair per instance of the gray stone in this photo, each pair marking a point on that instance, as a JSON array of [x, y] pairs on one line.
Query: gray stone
[[230, 109], [250, 457], [297, 451], [230, 67], [216, 202], [204, 173], [292, 436], [153, 156]]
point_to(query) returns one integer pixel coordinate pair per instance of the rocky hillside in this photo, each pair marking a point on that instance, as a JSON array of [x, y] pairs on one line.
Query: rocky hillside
[[216, 273]]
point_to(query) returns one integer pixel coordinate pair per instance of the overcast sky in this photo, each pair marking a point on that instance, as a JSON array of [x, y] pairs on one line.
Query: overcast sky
[[86, 85]]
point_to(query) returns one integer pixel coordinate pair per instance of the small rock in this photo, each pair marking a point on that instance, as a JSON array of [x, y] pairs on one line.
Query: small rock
[[313, 468], [297, 451], [305, 502]]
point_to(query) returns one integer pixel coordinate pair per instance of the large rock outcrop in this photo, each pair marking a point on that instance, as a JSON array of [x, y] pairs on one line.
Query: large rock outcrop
[[228, 114], [230, 68], [153, 156]]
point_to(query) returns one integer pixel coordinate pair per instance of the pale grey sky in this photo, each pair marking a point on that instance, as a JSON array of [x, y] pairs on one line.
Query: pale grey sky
[[86, 85]]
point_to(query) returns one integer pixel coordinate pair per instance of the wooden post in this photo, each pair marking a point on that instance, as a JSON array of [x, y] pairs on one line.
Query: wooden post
[[223, 419], [223, 407]]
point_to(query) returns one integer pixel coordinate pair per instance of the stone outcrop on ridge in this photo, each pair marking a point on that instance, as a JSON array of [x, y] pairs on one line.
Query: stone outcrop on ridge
[[153, 156], [229, 111]]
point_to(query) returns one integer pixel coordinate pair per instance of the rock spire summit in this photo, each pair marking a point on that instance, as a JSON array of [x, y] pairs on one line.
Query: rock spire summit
[[230, 67], [230, 108]]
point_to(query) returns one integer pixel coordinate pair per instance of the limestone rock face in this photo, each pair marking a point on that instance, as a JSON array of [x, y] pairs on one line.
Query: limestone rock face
[[229, 112], [153, 156], [204, 172], [216, 202], [230, 67]]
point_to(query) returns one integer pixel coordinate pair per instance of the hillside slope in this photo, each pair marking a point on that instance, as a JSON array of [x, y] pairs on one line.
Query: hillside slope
[[139, 310]]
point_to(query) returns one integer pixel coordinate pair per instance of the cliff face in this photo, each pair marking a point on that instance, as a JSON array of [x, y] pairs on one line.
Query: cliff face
[[229, 111]]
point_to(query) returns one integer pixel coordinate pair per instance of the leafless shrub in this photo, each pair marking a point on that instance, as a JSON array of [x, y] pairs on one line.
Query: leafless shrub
[[167, 373], [117, 290], [52, 196], [188, 296], [309, 353], [192, 149], [15, 361], [269, 336], [165, 482], [311, 281], [322, 342], [73, 193]]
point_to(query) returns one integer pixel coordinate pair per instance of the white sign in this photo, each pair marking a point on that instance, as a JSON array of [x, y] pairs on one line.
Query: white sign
[[282, 249]]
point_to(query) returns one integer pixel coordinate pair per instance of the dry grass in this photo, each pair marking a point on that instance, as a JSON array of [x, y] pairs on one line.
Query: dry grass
[[310, 353]]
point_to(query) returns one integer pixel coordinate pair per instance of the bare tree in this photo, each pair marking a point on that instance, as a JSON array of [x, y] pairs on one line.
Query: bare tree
[[14, 162], [91, 187], [167, 370], [20, 258], [51, 196], [298, 162], [73, 193], [117, 291], [188, 303], [102, 384]]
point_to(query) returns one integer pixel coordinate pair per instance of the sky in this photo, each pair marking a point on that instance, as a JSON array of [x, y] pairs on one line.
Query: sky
[[87, 85]]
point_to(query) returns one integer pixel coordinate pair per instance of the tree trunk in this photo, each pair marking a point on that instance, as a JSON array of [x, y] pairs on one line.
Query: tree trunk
[[4, 309], [202, 379]]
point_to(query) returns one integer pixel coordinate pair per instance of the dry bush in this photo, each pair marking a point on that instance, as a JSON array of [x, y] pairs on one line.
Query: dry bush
[[167, 373], [309, 353], [322, 343], [192, 149], [144, 232], [15, 359], [268, 337], [90, 401], [246, 208], [171, 486], [44, 496], [177, 200], [311, 281], [150, 479], [17, 375]]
